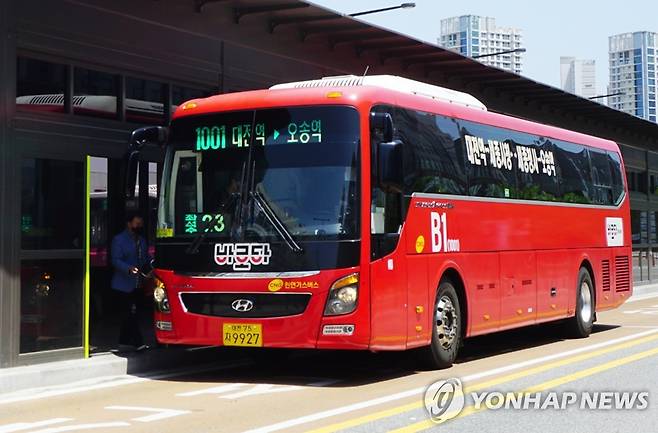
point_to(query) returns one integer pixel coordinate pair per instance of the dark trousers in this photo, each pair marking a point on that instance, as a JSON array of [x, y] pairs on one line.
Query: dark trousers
[[130, 306]]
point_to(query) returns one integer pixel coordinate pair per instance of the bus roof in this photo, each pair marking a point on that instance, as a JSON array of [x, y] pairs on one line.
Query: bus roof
[[381, 90]]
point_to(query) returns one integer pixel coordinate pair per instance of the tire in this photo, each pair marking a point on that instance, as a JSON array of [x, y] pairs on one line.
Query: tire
[[447, 330], [580, 325]]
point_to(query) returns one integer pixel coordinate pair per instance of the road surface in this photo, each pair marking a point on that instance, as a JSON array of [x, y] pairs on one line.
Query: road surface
[[365, 392]]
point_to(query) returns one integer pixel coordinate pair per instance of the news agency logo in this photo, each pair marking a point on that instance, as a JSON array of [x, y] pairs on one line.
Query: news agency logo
[[444, 400]]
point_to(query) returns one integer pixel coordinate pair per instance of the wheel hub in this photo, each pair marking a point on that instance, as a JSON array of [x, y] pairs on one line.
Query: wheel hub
[[585, 302], [447, 322]]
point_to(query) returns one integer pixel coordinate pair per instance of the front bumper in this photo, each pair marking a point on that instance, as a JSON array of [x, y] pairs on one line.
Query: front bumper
[[202, 324]]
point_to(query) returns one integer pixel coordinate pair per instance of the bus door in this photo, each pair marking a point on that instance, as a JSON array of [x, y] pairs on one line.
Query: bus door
[[388, 272]]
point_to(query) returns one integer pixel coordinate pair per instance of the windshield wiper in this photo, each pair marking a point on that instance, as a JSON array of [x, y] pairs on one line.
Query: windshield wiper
[[271, 216], [193, 248]]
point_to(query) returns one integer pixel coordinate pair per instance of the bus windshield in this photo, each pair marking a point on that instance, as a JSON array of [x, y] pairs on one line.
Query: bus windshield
[[237, 175]]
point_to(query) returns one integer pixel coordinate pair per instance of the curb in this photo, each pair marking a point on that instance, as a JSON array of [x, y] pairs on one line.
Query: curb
[[59, 373]]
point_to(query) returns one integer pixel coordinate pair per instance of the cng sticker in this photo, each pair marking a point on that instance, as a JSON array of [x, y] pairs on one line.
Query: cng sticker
[[439, 231], [420, 244], [275, 285]]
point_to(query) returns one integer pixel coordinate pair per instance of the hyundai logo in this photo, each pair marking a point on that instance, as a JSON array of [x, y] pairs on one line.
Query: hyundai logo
[[242, 305]]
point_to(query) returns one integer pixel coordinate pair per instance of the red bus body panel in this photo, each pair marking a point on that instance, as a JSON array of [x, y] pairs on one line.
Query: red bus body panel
[[518, 260]]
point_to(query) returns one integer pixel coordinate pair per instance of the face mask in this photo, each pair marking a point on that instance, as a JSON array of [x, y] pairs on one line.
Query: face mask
[[138, 230]]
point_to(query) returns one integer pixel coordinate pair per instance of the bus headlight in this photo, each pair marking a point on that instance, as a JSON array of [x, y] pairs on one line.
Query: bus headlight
[[160, 296], [343, 296]]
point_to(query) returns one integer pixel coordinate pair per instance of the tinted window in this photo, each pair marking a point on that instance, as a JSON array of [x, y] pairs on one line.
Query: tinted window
[[490, 160], [601, 178], [144, 101], [51, 304], [433, 153], [52, 204], [540, 183], [95, 93], [573, 171], [616, 176], [637, 180], [40, 85]]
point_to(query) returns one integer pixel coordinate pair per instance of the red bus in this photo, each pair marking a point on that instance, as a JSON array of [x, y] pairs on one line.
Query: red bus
[[381, 213]]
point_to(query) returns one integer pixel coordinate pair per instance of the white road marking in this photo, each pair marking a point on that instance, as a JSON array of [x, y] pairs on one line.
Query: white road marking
[[261, 389], [160, 413], [9, 428], [418, 391], [651, 310], [257, 389], [77, 427], [110, 382], [214, 390], [636, 298]]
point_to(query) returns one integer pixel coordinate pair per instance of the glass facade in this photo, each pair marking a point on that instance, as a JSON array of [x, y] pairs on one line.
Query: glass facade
[[40, 85], [51, 307], [52, 228], [642, 175]]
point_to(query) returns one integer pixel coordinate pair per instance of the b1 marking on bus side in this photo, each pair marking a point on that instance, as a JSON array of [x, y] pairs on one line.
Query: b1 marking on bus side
[[439, 229]]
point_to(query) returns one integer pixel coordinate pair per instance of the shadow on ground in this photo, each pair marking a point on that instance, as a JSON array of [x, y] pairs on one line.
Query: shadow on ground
[[330, 368]]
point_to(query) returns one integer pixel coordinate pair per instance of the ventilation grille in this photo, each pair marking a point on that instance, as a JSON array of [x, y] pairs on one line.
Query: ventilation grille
[[622, 274], [331, 82], [49, 100], [391, 82], [605, 274]]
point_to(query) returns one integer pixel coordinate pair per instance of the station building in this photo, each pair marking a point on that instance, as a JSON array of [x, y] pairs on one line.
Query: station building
[[77, 76]]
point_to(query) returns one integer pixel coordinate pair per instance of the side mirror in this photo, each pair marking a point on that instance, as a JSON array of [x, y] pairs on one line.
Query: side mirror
[[148, 135], [131, 173], [381, 126], [389, 165]]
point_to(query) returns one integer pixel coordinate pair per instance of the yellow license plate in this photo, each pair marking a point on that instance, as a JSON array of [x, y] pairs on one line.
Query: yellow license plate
[[242, 334]]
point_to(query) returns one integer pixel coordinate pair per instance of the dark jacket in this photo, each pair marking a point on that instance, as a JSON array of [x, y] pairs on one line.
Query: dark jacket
[[124, 258]]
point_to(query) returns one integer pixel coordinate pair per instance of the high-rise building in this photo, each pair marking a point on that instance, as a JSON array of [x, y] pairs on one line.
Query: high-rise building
[[633, 73], [578, 76], [473, 35]]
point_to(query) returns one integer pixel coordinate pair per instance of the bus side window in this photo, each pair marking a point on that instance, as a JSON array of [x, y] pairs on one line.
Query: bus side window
[[433, 154], [573, 171], [601, 178], [489, 177], [617, 177]]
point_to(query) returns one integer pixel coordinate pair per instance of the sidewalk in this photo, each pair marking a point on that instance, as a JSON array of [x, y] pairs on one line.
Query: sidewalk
[[111, 365], [146, 362]]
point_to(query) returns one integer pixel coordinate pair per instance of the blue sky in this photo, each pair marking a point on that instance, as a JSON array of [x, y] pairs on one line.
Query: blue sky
[[551, 28]]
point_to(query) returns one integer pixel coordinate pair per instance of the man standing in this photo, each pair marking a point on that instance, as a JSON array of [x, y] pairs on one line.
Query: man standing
[[129, 257]]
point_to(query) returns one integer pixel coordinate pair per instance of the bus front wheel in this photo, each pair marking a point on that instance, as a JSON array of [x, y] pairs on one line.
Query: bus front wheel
[[580, 325], [446, 329]]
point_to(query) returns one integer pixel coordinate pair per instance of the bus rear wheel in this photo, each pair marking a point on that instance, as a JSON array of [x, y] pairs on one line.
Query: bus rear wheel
[[580, 325], [447, 329]]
